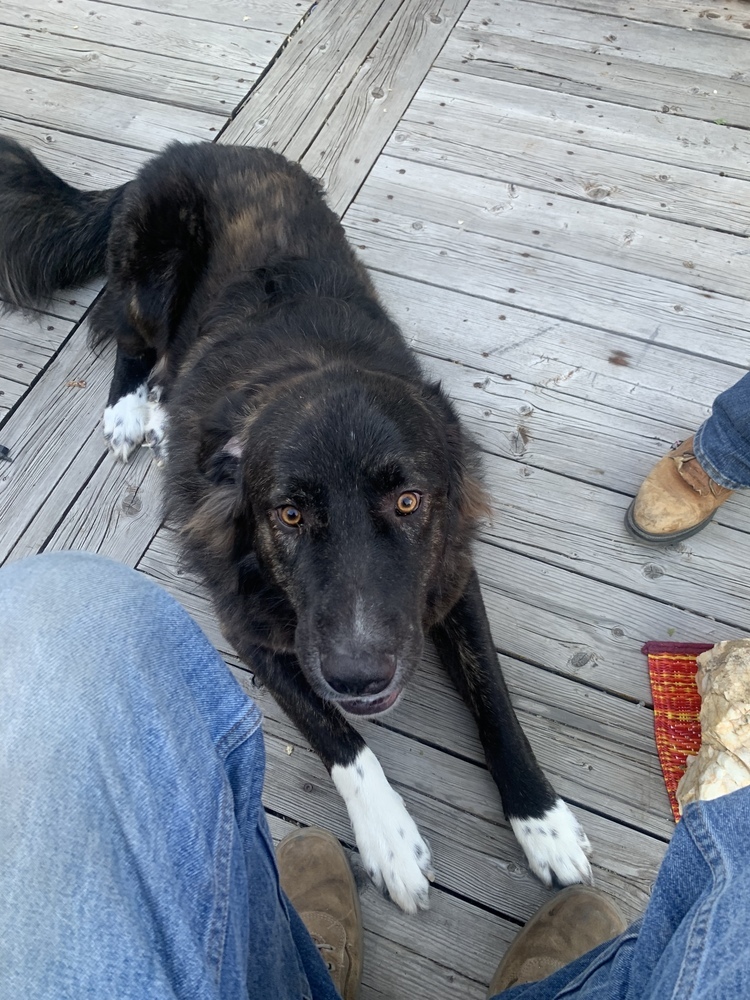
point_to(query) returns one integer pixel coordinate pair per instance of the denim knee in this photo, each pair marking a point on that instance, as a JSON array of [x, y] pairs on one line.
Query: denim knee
[[70, 618]]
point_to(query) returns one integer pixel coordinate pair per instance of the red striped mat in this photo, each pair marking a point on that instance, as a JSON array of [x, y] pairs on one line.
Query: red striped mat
[[677, 705]]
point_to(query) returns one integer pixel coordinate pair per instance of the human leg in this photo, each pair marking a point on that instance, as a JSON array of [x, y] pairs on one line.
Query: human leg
[[684, 490], [691, 941], [722, 443], [135, 860]]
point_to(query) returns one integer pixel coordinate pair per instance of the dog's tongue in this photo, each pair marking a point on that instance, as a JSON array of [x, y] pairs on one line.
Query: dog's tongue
[[362, 706]]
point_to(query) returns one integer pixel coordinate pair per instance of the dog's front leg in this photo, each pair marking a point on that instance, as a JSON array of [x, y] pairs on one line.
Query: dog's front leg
[[134, 415], [554, 843], [391, 847]]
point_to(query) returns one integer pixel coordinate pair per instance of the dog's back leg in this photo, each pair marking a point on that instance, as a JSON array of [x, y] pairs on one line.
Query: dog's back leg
[[157, 250], [554, 843], [391, 847]]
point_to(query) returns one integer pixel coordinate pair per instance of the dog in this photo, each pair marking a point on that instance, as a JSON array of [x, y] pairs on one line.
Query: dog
[[323, 488]]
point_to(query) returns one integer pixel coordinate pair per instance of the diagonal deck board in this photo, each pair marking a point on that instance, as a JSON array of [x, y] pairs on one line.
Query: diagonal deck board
[[558, 220]]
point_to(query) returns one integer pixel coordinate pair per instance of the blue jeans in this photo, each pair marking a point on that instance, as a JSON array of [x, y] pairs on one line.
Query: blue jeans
[[135, 860], [722, 443]]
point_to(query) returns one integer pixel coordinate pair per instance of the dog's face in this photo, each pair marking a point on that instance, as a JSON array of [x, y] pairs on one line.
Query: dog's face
[[352, 493]]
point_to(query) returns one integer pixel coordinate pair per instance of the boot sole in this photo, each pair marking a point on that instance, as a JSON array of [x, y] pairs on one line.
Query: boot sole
[[674, 536]]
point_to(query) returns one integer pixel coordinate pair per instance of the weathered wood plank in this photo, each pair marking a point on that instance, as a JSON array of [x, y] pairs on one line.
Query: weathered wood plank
[[613, 34], [46, 430], [576, 436], [392, 970], [85, 111], [289, 107], [359, 125], [362, 86], [260, 15], [510, 345], [485, 50], [148, 32], [92, 502], [532, 111], [26, 345], [729, 18], [103, 67], [574, 525], [706, 260], [82, 162], [532, 278], [115, 514], [581, 627], [566, 162], [670, 391]]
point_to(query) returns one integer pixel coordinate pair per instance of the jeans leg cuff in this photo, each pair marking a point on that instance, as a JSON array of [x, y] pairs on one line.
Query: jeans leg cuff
[[708, 466]]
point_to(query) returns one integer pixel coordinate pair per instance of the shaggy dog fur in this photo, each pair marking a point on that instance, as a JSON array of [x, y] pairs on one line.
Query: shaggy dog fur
[[323, 488]]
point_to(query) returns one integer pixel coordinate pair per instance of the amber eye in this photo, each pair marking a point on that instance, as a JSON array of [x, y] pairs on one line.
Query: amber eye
[[407, 503], [289, 516]]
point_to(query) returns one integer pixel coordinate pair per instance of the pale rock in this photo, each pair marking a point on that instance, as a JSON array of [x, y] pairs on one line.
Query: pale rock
[[722, 764]]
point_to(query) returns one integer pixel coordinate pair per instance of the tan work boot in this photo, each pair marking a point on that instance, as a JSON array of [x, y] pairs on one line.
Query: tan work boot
[[676, 499], [316, 876], [573, 922]]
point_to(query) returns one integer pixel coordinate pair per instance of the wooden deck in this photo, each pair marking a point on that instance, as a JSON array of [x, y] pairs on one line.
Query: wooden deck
[[554, 199]]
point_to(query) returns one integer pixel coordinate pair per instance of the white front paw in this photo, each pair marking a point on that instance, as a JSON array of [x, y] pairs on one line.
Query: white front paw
[[125, 423], [555, 846], [395, 855]]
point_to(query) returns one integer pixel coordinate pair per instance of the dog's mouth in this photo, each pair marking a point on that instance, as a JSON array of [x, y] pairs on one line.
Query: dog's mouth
[[370, 706]]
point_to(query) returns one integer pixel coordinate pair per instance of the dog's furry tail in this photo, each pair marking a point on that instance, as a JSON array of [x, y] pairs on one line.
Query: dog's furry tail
[[52, 235]]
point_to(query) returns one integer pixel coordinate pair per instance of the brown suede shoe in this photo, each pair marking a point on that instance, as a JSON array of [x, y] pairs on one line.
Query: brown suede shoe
[[676, 499], [316, 876], [571, 923]]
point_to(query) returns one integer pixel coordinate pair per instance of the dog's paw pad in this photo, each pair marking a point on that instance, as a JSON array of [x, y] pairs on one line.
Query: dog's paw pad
[[391, 848], [125, 423], [555, 846]]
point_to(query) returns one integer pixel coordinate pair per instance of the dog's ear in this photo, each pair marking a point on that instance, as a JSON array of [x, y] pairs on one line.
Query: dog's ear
[[222, 523], [220, 442], [475, 504], [463, 455]]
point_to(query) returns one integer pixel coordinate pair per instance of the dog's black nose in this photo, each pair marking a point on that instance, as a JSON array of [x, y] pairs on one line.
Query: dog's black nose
[[359, 675]]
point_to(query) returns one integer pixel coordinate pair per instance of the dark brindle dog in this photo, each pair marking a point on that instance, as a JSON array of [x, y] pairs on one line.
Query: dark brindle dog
[[323, 488]]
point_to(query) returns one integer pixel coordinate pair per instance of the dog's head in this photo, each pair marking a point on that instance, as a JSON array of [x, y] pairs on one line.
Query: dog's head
[[356, 494]]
